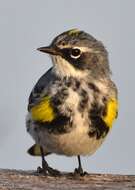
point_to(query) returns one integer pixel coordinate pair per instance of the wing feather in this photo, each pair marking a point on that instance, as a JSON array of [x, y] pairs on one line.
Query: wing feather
[[40, 89]]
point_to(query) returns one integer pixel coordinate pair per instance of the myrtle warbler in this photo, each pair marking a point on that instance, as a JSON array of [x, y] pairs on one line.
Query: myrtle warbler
[[72, 107]]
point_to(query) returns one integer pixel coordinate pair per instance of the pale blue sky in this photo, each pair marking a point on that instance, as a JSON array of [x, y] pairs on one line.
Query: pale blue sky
[[27, 25]]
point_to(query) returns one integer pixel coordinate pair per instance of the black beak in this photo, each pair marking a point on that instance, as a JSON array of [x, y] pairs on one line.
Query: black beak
[[49, 49]]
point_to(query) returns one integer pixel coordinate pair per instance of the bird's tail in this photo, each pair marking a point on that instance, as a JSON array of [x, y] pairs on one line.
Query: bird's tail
[[35, 150]]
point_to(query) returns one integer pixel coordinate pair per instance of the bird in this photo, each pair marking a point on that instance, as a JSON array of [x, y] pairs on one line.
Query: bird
[[73, 106]]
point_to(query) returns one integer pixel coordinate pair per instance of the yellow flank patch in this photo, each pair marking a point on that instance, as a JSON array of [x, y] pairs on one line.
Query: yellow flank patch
[[43, 111], [111, 112]]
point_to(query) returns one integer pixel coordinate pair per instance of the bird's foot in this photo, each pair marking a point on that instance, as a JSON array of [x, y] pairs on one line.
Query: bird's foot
[[53, 172], [79, 171], [40, 170], [46, 170]]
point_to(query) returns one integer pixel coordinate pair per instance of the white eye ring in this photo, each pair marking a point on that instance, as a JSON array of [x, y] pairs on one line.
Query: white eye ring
[[75, 53]]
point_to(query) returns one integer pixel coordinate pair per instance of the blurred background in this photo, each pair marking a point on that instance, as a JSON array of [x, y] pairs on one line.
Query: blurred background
[[27, 25]]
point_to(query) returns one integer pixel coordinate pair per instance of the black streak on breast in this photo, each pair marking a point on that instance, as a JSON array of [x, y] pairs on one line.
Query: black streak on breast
[[99, 127]]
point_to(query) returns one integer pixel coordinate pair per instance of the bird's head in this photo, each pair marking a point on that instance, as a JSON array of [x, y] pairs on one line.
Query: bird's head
[[75, 53]]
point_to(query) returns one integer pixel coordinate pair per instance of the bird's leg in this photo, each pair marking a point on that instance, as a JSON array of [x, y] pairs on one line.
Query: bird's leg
[[79, 170], [42, 169], [46, 169]]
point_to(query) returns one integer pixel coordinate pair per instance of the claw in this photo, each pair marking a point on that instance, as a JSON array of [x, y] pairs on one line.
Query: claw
[[79, 171], [53, 172], [41, 171], [48, 171]]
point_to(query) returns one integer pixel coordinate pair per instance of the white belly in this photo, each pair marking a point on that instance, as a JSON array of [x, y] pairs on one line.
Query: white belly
[[75, 142]]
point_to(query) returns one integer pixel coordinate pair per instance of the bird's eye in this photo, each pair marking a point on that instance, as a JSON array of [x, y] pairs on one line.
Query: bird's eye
[[75, 53]]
